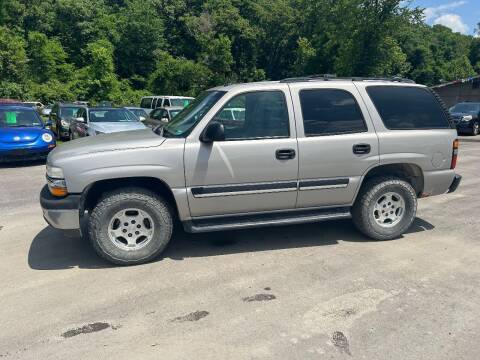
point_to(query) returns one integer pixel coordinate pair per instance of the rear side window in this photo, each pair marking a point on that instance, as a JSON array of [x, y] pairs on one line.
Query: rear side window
[[146, 103], [408, 108], [330, 112]]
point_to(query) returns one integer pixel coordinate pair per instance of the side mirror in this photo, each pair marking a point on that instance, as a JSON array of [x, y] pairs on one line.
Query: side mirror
[[164, 120], [141, 118], [213, 132], [80, 119]]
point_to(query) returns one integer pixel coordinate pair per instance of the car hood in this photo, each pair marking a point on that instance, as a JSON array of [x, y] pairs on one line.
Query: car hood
[[107, 142], [19, 135], [110, 127]]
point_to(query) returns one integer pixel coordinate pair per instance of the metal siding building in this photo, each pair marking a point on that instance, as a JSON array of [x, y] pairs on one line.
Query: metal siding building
[[459, 91]]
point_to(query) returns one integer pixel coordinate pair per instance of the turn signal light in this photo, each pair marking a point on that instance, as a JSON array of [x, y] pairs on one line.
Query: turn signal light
[[456, 144], [58, 191]]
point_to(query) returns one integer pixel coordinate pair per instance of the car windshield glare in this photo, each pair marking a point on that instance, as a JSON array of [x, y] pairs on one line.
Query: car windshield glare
[[19, 118], [111, 115], [180, 102], [465, 108], [185, 121]]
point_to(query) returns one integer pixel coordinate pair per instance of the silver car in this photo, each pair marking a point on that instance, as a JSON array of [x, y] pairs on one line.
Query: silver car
[[302, 150], [95, 121]]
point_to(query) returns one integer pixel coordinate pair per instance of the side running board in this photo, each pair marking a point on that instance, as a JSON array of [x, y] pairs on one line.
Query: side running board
[[209, 224]]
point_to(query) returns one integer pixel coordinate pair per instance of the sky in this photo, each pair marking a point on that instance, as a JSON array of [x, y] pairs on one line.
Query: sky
[[459, 15]]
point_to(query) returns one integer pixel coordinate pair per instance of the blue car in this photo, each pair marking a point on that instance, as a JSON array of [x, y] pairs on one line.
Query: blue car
[[23, 134]]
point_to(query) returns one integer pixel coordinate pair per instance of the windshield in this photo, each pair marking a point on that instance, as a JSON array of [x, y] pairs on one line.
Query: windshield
[[180, 102], [174, 113], [466, 108], [19, 118], [111, 115], [139, 112], [185, 121], [69, 112]]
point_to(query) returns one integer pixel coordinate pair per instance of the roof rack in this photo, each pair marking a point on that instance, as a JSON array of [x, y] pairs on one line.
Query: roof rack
[[329, 77]]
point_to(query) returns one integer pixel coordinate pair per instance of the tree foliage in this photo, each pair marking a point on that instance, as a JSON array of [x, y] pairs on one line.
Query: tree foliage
[[122, 49]]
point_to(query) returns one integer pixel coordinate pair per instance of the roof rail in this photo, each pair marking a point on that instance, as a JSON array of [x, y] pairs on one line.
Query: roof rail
[[328, 77]]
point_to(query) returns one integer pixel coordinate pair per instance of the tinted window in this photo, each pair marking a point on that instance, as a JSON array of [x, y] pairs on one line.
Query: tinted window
[[408, 108], [329, 112], [266, 116], [166, 102], [146, 103]]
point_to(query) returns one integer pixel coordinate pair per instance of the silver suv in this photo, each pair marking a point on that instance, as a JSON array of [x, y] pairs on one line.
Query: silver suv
[[304, 150]]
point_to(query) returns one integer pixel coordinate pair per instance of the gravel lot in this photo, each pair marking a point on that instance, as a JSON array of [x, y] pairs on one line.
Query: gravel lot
[[319, 291]]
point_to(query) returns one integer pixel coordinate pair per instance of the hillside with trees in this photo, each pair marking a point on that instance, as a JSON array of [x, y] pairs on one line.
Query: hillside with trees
[[122, 49]]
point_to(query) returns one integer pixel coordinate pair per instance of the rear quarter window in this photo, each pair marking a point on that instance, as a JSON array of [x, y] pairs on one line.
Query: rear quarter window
[[408, 108]]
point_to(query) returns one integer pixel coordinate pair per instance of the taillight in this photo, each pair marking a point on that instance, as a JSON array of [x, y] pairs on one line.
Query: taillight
[[454, 154]]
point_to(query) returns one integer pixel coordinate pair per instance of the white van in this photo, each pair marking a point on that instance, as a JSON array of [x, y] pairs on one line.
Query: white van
[[148, 103]]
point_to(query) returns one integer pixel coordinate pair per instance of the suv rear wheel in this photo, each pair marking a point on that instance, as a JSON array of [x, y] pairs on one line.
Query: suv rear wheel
[[130, 226], [385, 208]]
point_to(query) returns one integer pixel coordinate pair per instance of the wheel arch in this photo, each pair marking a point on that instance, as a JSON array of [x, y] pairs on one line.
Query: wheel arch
[[411, 173], [93, 193]]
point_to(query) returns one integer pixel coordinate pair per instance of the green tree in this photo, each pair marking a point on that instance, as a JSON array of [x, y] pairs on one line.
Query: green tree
[[178, 76]]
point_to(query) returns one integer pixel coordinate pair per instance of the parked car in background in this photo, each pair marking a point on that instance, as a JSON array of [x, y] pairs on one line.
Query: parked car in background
[[139, 112], [34, 104], [61, 116], [105, 103], [162, 116], [466, 116], [23, 134], [47, 110], [308, 149], [148, 103], [10, 101], [102, 120]]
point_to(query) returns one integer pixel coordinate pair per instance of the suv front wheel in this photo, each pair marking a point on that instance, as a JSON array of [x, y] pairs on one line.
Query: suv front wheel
[[130, 226], [385, 208]]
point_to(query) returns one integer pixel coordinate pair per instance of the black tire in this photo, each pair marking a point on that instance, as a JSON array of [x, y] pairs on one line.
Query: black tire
[[112, 203], [70, 135], [475, 129], [370, 194]]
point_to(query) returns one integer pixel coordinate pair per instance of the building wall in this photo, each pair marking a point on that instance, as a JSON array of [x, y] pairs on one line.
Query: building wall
[[458, 92]]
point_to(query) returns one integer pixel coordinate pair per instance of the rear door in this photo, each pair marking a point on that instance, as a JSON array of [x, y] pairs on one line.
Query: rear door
[[255, 169], [337, 142]]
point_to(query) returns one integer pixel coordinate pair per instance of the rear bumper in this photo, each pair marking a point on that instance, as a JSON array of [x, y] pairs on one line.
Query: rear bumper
[[455, 183], [61, 213]]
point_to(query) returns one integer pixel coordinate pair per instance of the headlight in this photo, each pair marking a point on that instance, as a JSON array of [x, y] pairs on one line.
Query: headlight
[[54, 172], [56, 182], [64, 123], [47, 138], [467, 118]]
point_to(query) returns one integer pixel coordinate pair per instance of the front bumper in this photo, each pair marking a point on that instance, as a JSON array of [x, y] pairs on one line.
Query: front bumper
[[61, 213], [455, 183], [24, 154]]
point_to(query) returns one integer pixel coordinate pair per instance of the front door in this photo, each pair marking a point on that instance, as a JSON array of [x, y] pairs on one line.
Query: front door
[[255, 169]]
